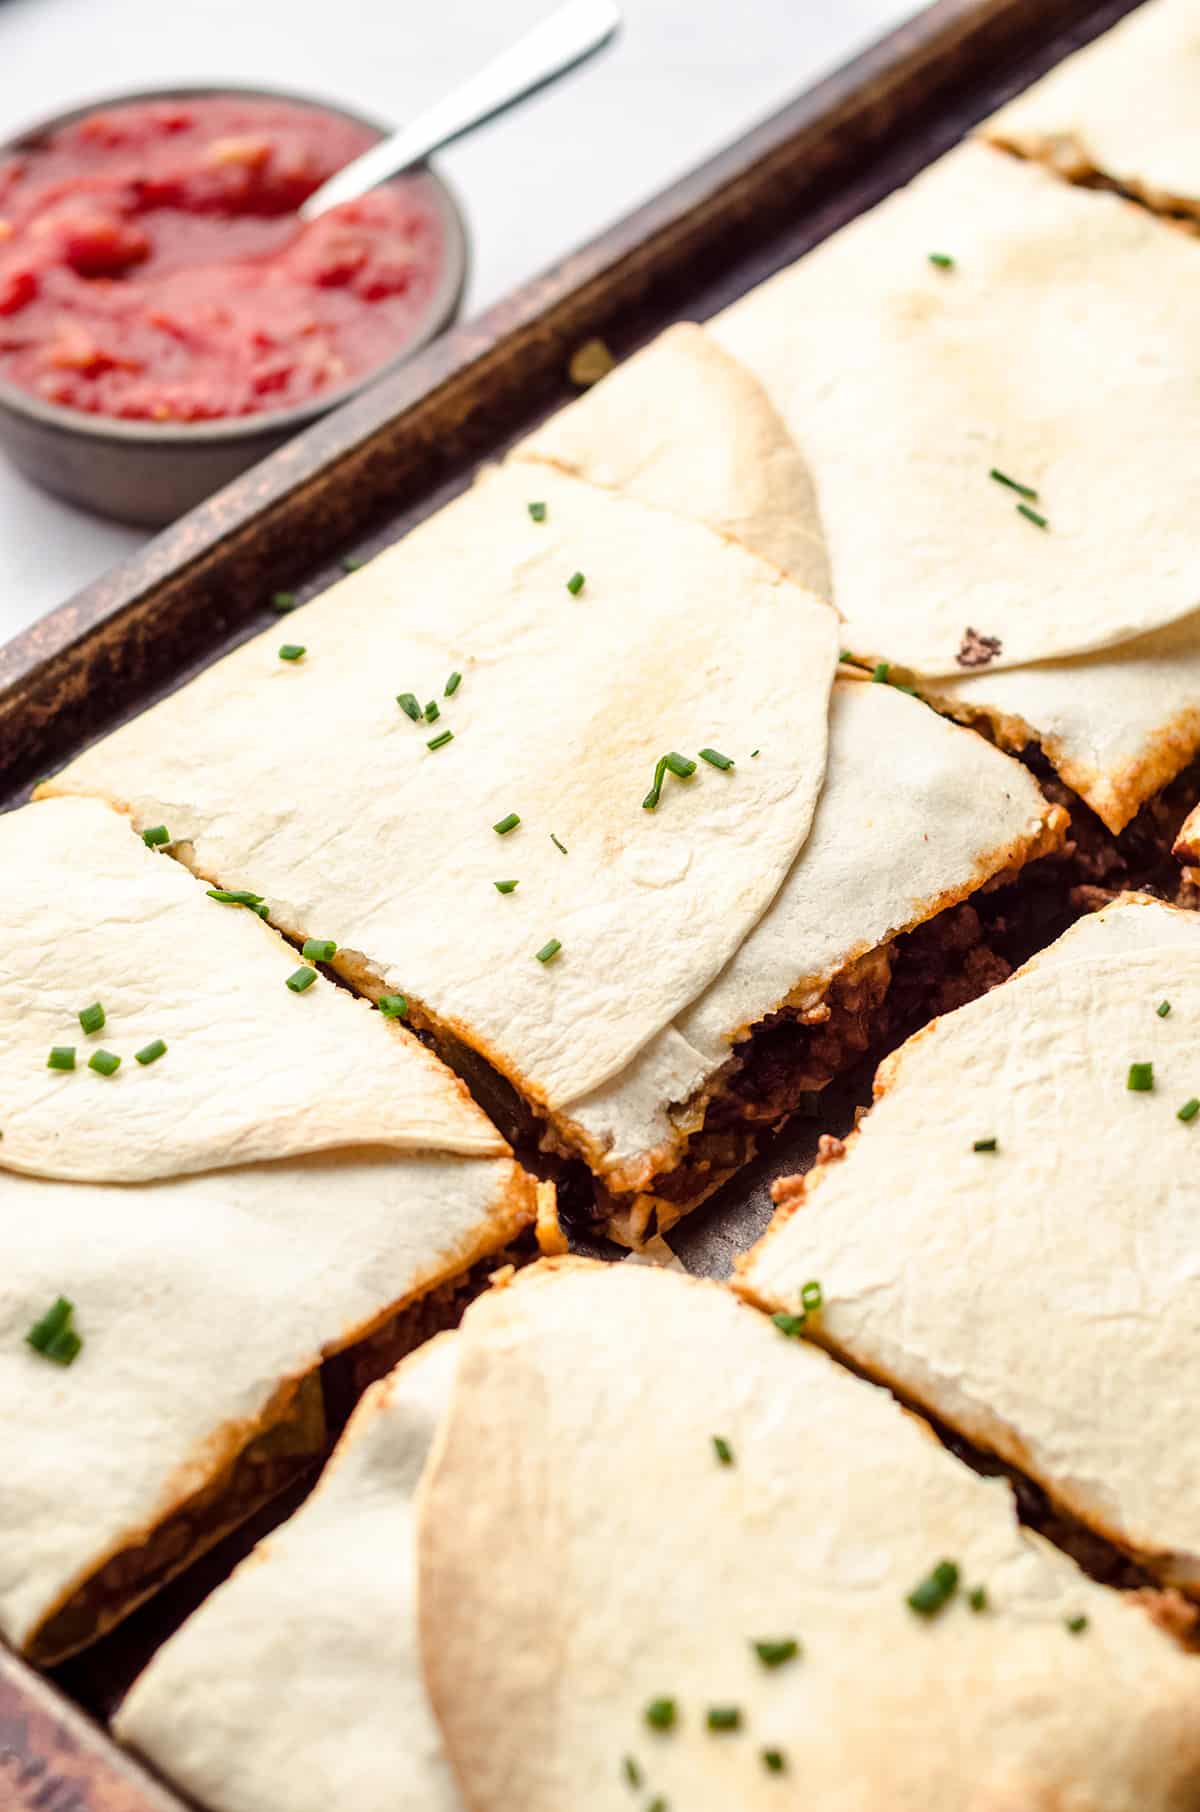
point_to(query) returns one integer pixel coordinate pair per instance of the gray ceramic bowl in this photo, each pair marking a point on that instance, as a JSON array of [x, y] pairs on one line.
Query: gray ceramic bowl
[[151, 472]]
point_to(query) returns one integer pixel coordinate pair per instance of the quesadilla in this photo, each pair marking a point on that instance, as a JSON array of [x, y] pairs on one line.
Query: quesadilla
[[1010, 1237], [755, 1581], [216, 1169], [1121, 111], [297, 1685], [956, 368]]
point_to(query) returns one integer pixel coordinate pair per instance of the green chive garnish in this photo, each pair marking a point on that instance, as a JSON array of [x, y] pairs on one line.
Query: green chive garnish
[[977, 1598], [53, 1336], [984, 1145], [432, 711], [811, 1297], [715, 758], [549, 951], [452, 685], [506, 886], [724, 1717], [439, 742], [351, 563], [791, 1325], [575, 584], [408, 704], [393, 1006], [283, 601], [671, 763], [1189, 1110], [1013, 484], [880, 674], [507, 824], [935, 1591], [92, 1018], [537, 512], [557, 844], [631, 1771], [1163, 1008], [1032, 515], [774, 1654], [156, 836], [1077, 1625], [62, 1057], [682, 766], [150, 1053], [754, 754], [722, 1449], [655, 794], [104, 1063], [1140, 1078], [234, 896], [943, 260], [846, 655], [293, 651], [772, 1761], [660, 1714], [300, 979], [318, 950]]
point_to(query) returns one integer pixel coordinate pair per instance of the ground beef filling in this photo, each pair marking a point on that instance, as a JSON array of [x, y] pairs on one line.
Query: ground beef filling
[[1138, 859]]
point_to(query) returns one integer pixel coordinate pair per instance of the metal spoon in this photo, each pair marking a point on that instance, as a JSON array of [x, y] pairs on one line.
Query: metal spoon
[[564, 39]]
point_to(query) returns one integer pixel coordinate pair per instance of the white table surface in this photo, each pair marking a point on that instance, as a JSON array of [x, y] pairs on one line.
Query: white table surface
[[685, 78]]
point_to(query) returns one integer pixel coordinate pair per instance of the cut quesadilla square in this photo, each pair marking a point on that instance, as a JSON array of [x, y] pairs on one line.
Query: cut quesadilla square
[[804, 1625], [1010, 1239], [1122, 110], [297, 1686], [266, 1176]]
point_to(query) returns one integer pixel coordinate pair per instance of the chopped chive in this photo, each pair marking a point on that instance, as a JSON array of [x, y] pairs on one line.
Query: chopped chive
[[432, 711], [537, 512], [723, 1717], [150, 1053], [507, 824], [880, 674], [393, 1006], [773, 1761], [506, 886], [66, 1349], [293, 651], [985, 1145], [722, 1449], [408, 704], [846, 655], [1013, 484], [1189, 1110], [791, 1325], [775, 1653], [92, 1019], [1140, 1078], [234, 896], [62, 1057], [715, 758], [660, 1714], [53, 1325], [1032, 515], [682, 766], [351, 563], [300, 979], [655, 794], [1076, 1625], [105, 1063], [943, 260], [977, 1598], [318, 950], [283, 601], [1163, 1008], [439, 742], [452, 685], [575, 584], [811, 1297], [261, 910], [631, 1771], [754, 754], [156, 836], [557, 844], [549, 951], [935, 1591]]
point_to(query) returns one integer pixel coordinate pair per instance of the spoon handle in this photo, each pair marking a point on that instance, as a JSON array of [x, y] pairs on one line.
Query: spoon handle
[[569, 35]]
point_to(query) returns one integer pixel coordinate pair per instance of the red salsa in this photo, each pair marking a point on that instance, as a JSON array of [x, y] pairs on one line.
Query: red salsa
[[152, 266]]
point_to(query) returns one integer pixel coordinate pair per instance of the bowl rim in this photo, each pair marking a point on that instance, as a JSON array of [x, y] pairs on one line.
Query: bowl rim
[[274, 423]]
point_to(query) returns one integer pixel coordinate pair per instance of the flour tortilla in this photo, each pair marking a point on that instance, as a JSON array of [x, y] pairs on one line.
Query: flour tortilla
[[684, 427], [916, 814], [1061, 349], [1123, 109], [583, 1553], [297, 1685], [307, 783], [1042, 1298], [203, 1300]]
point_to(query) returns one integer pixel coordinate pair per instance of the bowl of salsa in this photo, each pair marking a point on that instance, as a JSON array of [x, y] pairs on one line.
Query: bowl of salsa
[[166, 318]]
